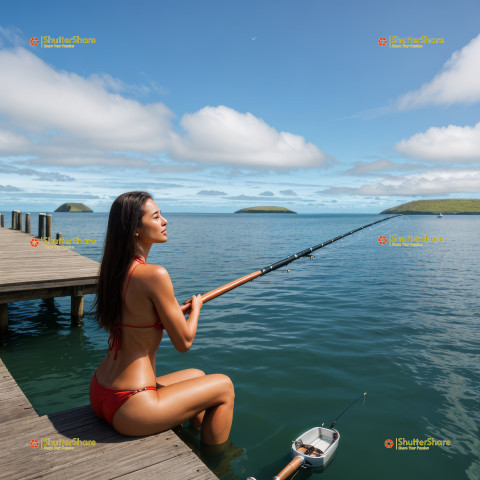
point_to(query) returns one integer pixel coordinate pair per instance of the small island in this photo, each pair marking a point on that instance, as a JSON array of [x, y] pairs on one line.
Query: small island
[[434, 207], [73, 207], [265, 210]]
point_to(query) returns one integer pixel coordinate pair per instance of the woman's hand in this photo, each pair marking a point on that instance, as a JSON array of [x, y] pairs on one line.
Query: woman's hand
[[197, 303]]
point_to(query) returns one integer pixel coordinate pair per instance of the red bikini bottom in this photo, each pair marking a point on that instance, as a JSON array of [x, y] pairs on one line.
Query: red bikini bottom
[[106, 401]]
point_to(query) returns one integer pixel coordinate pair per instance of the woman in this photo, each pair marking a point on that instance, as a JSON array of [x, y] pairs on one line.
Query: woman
[[136, 303]]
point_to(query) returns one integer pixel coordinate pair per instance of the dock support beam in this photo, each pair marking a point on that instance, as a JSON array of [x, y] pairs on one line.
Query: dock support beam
[[77, 308], [3, 320]]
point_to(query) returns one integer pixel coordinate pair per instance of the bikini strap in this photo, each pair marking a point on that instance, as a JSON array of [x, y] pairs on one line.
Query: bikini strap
[[139, 262]]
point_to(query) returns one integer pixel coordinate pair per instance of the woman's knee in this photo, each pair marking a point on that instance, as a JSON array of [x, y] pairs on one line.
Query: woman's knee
[[195, 372], [226, 385]]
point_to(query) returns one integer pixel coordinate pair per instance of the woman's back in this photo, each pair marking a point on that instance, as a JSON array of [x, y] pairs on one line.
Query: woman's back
[[134, 342]]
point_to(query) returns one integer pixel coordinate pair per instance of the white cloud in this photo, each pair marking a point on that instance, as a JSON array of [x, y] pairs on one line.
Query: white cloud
[[223, 135], [12, 143], [444, 144], [435, 182], [458, 82], [39, 99], [288, 192], [381, 165], [11, 36], [65, 119], [211, 193]]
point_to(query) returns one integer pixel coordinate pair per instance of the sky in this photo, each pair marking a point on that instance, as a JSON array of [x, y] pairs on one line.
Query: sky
[[218, 105]]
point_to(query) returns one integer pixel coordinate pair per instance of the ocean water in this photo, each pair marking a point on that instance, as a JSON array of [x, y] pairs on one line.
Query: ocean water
[[398, 322]]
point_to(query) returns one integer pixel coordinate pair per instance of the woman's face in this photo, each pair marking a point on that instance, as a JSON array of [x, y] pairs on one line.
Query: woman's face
[[153, 225]]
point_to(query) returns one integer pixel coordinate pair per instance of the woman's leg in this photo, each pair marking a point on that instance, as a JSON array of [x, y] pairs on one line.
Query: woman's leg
[[151, 412], [180, 376]]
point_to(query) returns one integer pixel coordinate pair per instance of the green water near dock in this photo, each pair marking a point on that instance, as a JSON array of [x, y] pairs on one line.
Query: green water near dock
[[401, 323]]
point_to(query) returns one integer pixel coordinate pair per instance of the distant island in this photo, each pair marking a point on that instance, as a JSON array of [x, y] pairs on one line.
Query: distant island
[[434, 207], [73, 207], [265, 210]]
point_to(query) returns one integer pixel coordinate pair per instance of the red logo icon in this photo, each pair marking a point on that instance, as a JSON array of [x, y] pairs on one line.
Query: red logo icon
[[34, 443], [389, 443], [382, 41], [382, 240], [34, 41], [34, 242]]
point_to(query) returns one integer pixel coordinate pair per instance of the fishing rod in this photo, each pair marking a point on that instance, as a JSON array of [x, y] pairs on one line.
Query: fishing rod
[[363, 395], [274, 266]]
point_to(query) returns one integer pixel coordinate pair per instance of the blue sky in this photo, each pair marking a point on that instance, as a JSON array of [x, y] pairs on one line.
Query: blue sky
[[213, 106]]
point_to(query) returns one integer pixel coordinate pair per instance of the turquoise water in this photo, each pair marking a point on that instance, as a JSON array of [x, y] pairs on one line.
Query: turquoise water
[[401, 323]]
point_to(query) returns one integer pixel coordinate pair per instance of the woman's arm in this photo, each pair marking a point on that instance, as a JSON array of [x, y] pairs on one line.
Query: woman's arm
[[180, 330]]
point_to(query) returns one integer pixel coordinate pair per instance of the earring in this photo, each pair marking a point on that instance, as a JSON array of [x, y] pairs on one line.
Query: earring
[[136, 234]]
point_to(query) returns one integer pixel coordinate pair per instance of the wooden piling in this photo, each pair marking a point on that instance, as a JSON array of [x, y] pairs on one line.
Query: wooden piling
[[3, 319], [41, 225], [2, 221], [76, 311], [19, 221], [48, 232], [27, 223]]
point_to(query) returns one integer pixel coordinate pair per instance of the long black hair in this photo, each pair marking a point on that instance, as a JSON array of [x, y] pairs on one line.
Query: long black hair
[[125, 217]]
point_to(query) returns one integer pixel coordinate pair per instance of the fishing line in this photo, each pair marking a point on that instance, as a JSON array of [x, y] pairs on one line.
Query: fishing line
[[363, 395], [307, 253]]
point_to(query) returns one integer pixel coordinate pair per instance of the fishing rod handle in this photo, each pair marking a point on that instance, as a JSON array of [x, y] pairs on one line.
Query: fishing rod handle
[[206, 297], [293, 466]]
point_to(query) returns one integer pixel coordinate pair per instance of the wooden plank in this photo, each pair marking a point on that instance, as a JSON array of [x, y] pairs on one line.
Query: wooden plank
[[28, 273], [14, 404], [114, 455]]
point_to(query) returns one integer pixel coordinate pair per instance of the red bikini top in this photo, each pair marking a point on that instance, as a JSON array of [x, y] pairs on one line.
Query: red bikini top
[[115, 338]]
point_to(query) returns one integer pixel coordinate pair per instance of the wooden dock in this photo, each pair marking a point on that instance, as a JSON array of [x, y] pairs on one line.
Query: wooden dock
[[28, 272], [162, 456]]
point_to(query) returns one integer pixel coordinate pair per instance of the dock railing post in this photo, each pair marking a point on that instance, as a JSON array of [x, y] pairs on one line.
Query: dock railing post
[[27, 223], [19, 221], [41, 225], [48, 232], [2, 221], [13, 219]]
